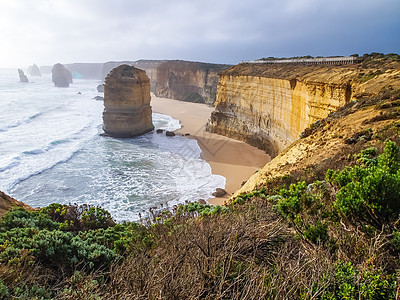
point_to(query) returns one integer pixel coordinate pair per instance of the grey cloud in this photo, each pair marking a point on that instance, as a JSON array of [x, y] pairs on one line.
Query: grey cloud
[[207, 30]]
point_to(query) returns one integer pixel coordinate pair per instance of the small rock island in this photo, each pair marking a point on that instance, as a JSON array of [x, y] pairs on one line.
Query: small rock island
[[22, 76], [61, 76], [127, 110]]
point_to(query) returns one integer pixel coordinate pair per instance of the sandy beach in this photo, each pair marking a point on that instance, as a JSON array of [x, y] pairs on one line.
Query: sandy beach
[[234, 160]]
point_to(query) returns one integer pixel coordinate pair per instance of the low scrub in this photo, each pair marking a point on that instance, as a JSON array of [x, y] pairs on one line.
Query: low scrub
[[333, 238]]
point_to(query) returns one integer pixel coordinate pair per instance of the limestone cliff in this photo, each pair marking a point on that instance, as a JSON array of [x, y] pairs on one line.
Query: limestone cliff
[[127, 110], [86, 70], [178, 79], [270, 106], [188, 81]]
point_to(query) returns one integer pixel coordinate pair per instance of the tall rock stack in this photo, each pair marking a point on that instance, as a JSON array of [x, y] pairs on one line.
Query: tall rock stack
[[35, 71], [22, 76], [127, 110], [61, 76]]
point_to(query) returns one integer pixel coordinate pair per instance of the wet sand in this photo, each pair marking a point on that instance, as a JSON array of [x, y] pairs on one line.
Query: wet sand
[[234, 160]]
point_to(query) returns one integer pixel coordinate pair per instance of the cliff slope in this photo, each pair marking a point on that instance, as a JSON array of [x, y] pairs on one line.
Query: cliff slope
[[7, 203], [269, 106]]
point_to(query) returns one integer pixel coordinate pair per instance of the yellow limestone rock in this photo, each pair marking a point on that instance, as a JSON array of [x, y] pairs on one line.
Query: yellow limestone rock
[[127, 110], [270, 113]]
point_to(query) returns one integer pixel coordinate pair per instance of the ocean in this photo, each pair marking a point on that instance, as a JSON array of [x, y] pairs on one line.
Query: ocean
[[52, 151]]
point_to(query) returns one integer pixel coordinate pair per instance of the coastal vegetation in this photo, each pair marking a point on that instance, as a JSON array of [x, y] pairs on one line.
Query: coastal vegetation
[[323, 230], [336, 237]]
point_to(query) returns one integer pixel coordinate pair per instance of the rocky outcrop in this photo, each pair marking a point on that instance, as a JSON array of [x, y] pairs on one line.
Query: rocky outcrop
[[61, 76], [127, 110], [22, 76], [34, 71], [100, 88], [176, 79], [188, 81], [7, 203]]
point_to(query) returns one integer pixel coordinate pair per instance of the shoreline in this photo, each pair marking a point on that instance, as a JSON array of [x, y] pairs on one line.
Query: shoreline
[[232, 159]]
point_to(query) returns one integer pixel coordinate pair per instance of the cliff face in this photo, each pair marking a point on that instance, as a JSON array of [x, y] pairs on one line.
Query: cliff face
[[127, 110], [188, 81], [270, 113], [269, 107], [86, 70]]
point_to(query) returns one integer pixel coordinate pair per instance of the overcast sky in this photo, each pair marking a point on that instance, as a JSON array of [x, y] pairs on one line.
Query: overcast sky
[[220, 31]]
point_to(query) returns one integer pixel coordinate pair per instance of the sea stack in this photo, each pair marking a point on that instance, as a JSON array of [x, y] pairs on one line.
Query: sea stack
[[127, 110], [34, 71], [22, 76], [61, 76]]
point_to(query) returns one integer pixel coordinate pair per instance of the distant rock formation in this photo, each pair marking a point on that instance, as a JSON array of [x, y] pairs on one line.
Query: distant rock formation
[[34, 71], [176, 79], [188, 81], [85, 70], [100, 88], [45, 69], [22, 76], [127, 110], [61, 76]]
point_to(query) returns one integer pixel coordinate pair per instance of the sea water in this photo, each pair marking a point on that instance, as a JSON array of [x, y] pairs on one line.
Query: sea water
[[52, 151]]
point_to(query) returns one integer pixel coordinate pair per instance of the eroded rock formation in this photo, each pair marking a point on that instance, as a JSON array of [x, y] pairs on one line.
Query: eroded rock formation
[[22, 76], [100, 88], [61, 76], [127, 110], [268, 107], [188, 81], [34, 71]]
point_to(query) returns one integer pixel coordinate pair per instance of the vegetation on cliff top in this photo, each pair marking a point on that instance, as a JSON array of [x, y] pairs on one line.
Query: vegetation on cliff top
[[371, 61]]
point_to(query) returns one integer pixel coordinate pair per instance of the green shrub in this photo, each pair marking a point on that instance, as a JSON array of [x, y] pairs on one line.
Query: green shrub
[[351, 283], [294, 200], [96, 217], [203, 209], [367, 157], [36, 237], [317, 233], [34, 291], [20, 218], [4, 293], [370, 192]]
